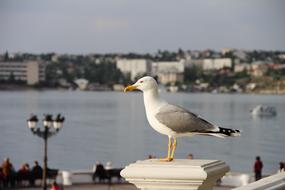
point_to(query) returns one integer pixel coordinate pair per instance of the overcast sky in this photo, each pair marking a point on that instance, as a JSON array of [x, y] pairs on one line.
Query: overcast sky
[[90, 26]]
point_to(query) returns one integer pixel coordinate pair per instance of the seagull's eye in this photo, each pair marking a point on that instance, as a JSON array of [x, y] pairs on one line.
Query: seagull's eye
[[141, 81]]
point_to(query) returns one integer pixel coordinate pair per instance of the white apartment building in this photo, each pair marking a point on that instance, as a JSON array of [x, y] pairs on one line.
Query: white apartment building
[[169, 78], [134, 67], [258, 68], [216, 64], [31, 71], [242, 67], [168, 67], [169, 71]]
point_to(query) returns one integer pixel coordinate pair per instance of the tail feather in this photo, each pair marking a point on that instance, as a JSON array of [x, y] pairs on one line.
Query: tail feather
[[224, 132]]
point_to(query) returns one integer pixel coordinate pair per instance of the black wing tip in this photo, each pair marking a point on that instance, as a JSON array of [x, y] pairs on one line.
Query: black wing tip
[[229, 132]]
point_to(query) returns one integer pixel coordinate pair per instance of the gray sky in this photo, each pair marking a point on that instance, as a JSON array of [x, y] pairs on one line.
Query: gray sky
[[101, 26]]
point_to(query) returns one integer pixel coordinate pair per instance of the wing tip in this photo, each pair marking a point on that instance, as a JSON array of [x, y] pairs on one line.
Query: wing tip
[[225, 132]]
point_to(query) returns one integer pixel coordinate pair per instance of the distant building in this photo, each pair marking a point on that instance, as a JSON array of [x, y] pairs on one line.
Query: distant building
[[134, 67], [188, 63], [198, 62], [226, 50], [32, 72], [169, 71], [275, 66], [168, 67], [216, 64], [55, 58], [240, 54], [81, 83], [242, 67], [222, 63], [168, 78], [259, 68], [281, 56], [195, 54], [208, 64]]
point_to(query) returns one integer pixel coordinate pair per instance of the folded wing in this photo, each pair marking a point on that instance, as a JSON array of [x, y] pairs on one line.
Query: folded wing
[[181, 120]]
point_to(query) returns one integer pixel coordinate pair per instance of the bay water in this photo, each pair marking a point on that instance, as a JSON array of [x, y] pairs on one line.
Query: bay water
[[112, 126]]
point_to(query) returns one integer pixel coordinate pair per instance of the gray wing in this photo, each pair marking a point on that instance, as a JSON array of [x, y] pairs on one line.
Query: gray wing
[[182, 121]]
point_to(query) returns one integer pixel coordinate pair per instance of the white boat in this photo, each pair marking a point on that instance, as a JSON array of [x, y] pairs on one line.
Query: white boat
[[262, 110]]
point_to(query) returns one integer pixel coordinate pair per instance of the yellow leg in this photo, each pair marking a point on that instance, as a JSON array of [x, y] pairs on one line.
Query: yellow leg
[[173, 148], [169, 147], [168, 158]]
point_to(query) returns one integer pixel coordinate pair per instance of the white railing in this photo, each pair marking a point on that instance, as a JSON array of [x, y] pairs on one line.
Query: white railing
[[274, 182], [180, 174], [75, 177]]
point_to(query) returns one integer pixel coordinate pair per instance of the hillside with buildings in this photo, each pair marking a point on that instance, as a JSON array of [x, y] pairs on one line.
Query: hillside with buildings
[[229, 70]]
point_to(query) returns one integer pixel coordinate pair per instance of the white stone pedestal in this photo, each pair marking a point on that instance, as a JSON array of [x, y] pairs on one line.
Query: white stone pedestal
[[178, 174]]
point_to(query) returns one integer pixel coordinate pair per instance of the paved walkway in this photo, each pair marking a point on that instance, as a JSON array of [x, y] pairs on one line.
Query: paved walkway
[[106, 187]]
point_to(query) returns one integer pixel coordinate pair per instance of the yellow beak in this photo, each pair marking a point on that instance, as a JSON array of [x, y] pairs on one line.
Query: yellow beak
[[130, 88]]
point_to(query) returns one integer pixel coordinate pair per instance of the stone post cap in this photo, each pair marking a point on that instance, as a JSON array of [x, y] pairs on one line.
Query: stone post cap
[[178, 174]]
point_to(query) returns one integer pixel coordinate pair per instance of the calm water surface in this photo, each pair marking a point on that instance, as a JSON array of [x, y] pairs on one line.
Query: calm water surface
[[112, 126]]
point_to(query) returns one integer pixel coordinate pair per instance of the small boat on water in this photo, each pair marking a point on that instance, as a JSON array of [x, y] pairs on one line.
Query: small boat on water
[[262, 110]]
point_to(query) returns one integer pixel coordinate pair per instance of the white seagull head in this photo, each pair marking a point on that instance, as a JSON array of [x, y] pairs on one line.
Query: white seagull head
[[144, 84]]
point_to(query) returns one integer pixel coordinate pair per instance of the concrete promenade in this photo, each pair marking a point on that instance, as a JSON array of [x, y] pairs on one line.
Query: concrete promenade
[[105, 187]]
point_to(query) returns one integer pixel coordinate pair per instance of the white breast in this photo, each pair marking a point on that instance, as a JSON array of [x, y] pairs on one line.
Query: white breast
[[154, 123], [152, 104]]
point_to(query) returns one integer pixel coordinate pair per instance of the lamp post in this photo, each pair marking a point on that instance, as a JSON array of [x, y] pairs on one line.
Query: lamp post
[[51, 127]]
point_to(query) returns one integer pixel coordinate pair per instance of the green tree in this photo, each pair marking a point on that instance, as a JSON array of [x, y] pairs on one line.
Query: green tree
[[6, 56], [11, 78], [193, 73]]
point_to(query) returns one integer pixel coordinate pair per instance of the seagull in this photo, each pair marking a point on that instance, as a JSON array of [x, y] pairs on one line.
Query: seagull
[[172, 120]]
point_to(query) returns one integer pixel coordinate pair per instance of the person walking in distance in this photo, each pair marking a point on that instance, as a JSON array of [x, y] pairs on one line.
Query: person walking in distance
[[281, 167], [258, 165]]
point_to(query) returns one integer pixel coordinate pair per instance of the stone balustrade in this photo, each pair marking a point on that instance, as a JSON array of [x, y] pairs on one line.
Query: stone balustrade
[[176, 175], [273, 182]]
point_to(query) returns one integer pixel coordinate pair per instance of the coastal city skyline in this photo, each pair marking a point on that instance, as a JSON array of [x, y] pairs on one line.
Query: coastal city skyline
[[230, 70], [125, 26], [195, 68]]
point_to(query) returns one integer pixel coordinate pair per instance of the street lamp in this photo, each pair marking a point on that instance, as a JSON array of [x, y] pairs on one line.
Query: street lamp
[[51, 127]]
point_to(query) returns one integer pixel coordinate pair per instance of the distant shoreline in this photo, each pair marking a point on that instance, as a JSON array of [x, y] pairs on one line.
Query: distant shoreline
[[6, 88]]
